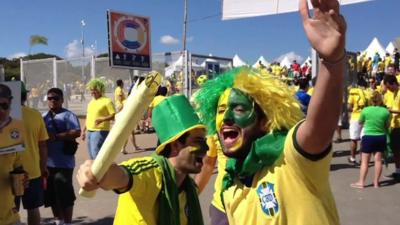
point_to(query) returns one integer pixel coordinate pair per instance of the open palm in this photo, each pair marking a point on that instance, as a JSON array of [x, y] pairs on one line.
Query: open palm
[[326, 29]]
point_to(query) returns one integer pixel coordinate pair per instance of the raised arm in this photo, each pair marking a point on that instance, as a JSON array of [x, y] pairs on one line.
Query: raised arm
[[325, 31]]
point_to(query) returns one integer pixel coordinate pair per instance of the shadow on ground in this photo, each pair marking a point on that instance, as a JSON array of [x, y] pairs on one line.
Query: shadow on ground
[[82, 220], [341, 153]]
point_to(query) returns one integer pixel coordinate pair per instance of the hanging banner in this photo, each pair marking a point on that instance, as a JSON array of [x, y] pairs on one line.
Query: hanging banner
[[129, 41], [235, 9]]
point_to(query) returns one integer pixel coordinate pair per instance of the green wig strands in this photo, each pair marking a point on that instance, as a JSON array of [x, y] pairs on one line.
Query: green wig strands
[[274, 97], [206, 99], [97, 84]]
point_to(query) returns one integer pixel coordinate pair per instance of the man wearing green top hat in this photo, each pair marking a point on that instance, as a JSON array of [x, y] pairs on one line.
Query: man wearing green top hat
[[157, 189]]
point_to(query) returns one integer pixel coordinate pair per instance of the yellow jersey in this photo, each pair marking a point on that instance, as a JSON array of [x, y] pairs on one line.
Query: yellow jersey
[[358, 101], [8, 213], [140, 204], [395, 122], [97, 108], [12, 137], [294, 190], [119, 92], [35, 131], [215, 150]]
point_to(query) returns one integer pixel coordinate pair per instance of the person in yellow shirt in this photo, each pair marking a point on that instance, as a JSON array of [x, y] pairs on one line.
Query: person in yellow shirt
[[119, 95], [157, 189], [356, 102], [11, 136], [100, 112], [270, 151], [392, 85], [388, 60], [34, 159]]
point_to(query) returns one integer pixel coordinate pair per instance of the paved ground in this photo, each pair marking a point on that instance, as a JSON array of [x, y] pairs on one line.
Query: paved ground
[[369, 206]]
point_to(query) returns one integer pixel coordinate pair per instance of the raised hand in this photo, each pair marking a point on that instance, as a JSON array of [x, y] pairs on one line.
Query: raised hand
[[326, 29]]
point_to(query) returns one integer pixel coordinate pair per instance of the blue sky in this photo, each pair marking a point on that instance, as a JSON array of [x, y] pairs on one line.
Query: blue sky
[[270, 36]]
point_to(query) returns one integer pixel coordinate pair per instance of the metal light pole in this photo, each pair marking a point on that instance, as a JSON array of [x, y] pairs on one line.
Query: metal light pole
[[185, 56], [83, 24]]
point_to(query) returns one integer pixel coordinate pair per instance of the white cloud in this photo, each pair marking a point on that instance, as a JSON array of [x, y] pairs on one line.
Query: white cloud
[[74, 50], [17, 55], [291, 56], [169, 40]]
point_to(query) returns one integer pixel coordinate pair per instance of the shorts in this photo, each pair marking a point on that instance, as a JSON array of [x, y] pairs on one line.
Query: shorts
[[33, 195], [217, 217], [371, 144], [355, 130], [395, 139], [95, 141], [60, 191]]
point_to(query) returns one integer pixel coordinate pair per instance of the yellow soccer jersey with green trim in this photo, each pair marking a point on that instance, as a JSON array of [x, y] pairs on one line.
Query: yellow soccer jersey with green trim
[[11, 137], [139, 204], [8, 213], [295, 190]]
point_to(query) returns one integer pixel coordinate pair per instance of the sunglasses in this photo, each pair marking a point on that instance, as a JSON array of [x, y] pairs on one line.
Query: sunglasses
[[4, 106], [55, 98]]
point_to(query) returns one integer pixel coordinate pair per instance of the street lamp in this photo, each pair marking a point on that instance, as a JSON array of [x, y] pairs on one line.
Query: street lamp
[[83, 24]]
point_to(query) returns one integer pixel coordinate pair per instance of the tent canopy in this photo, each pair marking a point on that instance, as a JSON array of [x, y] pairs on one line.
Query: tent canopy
[[238, 62], [374, 47], [262, 60], [285, 62]]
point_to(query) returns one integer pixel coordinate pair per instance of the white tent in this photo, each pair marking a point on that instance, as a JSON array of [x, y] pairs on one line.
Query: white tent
[[307, 61], [234, 9], [238, 62], [285, 62], [262, 60], [178, 66], [390, 48], [374, 47]]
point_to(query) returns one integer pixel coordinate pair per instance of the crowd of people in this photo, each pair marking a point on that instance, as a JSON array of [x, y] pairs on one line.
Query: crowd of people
[[265, 137]]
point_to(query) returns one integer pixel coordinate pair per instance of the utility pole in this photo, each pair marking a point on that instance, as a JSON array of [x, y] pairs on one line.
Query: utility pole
[[185, 56], [83, 24]]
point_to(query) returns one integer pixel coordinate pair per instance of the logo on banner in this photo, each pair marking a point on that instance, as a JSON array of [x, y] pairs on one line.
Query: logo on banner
[[267, 197], [130, 34]]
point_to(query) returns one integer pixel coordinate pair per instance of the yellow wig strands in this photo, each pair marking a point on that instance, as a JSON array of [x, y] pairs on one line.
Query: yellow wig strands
[[274, 97], [97, 84]]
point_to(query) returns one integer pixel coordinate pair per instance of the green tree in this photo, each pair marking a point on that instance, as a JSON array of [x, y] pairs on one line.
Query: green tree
[[36, 40]]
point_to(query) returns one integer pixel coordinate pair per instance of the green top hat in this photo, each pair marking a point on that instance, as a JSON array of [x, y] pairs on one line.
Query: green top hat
[[173, 117]]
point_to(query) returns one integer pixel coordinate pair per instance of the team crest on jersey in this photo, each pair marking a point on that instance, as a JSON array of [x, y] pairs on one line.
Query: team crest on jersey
[[14, 134], [267, 197]]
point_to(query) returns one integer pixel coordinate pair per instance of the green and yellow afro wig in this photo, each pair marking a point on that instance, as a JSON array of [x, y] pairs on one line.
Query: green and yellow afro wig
[[97, 84], [275, 98]]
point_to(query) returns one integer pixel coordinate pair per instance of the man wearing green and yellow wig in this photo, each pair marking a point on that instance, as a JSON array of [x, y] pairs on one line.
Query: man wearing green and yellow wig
[[277, 170], [157, 189]]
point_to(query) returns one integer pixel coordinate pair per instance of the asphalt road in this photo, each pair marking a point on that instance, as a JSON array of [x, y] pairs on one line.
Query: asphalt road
[[369, 206]]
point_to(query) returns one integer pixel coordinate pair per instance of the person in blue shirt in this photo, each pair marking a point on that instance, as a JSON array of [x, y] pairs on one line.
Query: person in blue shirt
[[62, 125], [302, 95]]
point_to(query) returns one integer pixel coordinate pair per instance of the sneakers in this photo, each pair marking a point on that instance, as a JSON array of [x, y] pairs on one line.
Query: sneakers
[[353, 161]]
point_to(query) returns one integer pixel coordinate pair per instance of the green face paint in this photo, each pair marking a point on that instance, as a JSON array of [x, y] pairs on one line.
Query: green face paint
[[240, 109]]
